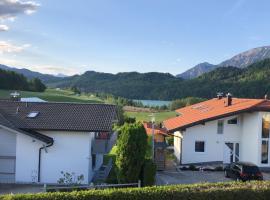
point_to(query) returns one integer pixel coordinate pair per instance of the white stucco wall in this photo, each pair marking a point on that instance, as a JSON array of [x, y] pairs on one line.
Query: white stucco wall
[[27, 159], [70, 153], [214, 143], [250, 144]]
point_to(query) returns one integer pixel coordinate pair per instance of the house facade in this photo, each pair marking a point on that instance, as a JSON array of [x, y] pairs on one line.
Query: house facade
[[38, 141], [222, 130]]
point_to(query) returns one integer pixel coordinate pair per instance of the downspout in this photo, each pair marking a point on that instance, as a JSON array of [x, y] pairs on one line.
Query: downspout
[[39, 157]]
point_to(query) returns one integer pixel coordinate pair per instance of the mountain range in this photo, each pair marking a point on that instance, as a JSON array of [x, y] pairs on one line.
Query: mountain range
[[32, 74], [245, 75], [241, 60]]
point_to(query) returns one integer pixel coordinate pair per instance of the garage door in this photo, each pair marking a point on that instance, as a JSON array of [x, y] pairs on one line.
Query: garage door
[[7, 169]]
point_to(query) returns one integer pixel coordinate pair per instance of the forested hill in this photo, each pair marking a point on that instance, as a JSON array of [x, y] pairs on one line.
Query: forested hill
[[131, 85], [252, 82], [10, 80]]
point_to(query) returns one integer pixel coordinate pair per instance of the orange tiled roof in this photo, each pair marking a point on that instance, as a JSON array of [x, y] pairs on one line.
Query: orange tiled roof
[[157, 130], [212, 109]]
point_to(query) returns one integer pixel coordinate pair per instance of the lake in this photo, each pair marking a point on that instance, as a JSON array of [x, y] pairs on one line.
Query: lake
[[153, 102]]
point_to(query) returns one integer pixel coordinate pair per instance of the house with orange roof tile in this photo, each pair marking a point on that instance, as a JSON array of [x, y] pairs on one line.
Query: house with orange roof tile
[[222, 130]]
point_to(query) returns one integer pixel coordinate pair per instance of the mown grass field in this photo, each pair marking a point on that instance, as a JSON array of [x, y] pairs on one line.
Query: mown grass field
[[144, 116], [55, 95]]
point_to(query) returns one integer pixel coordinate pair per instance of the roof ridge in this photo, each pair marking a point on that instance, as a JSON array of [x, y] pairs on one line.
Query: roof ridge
[[55, 102]]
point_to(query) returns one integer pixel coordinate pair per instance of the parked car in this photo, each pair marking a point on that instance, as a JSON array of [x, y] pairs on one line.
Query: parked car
[[244, 171]]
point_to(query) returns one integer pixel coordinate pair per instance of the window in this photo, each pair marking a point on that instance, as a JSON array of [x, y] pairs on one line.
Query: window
[[32, 114], [93, 161], [220, 126], [233, 121], [102, 135], [265, 139], [264, 155], [199, 146]]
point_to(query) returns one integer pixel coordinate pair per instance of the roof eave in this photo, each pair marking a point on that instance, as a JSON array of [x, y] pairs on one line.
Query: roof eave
[[181, 128]]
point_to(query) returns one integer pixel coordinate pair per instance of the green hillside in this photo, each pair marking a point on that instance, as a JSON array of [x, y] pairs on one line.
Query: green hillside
[[15, 81], [252, 82], [55, 95]]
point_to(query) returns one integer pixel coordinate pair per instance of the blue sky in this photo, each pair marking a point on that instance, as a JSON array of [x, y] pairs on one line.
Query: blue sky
[[57, 36]]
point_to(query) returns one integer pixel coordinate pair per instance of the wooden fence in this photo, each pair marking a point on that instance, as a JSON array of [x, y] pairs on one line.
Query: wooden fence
[[48, 188]]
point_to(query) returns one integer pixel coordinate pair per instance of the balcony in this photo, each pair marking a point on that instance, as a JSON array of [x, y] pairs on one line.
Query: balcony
[[103, 142]]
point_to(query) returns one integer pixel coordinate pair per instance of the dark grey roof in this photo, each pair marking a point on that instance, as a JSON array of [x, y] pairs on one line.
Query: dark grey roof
[[4, 122], [57, 116]]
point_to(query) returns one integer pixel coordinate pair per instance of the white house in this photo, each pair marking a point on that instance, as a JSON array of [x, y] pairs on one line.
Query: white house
[[40, 140], [222, 130]]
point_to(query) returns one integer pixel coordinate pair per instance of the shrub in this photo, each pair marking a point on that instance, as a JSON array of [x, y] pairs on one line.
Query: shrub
[[70, 179], [170, 140], [208, 191], [148, 173], [130, 154]]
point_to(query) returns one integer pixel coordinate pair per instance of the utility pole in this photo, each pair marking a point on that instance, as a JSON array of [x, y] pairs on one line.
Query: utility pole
[[153, 135]]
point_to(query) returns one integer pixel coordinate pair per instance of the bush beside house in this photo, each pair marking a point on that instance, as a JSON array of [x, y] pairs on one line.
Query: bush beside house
[[131, 151], [148, 173], [209, 191]]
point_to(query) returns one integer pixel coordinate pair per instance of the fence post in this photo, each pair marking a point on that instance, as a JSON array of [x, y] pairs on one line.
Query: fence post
[[139, 183], [45, 187]]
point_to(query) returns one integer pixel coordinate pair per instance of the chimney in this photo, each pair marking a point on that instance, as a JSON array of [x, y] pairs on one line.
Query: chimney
[[219, 95], [229, 99], [15, 96]]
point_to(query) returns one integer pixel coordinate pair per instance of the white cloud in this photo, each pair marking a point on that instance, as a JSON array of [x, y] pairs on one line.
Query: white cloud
[[12, 8], [3, 27], [9, 9], [53, 69], [6, 47]]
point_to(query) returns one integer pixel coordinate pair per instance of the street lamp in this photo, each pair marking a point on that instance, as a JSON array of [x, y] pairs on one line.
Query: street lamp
[[153, 135]]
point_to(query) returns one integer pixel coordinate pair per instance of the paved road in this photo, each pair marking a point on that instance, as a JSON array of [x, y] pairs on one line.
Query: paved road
[[189, 177]]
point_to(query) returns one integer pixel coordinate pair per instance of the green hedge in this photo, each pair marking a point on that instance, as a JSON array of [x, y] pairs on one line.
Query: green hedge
[[148, 173], [213, 191]]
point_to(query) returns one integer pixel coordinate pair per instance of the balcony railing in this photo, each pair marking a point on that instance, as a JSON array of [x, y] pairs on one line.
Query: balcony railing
[[103, 142]]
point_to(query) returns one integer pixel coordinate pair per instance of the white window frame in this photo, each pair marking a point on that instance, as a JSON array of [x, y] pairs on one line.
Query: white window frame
[[218, 126], [204, 146], [232, 119]]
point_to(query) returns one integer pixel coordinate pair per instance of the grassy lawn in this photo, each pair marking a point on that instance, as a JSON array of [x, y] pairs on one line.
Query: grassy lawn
[[144, 116], [55, 95]]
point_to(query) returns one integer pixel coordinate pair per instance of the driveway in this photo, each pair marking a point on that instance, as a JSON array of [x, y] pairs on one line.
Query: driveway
[[188, 177]]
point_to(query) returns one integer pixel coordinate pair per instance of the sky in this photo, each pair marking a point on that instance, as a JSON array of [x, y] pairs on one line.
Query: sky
[[71, 37]]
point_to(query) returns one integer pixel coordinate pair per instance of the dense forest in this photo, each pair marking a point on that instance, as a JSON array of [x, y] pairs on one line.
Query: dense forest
[[10, 80], [252, 82]]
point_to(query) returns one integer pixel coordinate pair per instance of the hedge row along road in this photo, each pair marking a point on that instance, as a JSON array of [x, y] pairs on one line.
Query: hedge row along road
[[208, 191]]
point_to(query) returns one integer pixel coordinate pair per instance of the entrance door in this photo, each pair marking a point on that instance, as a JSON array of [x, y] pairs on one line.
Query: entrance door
[[231, 152]]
